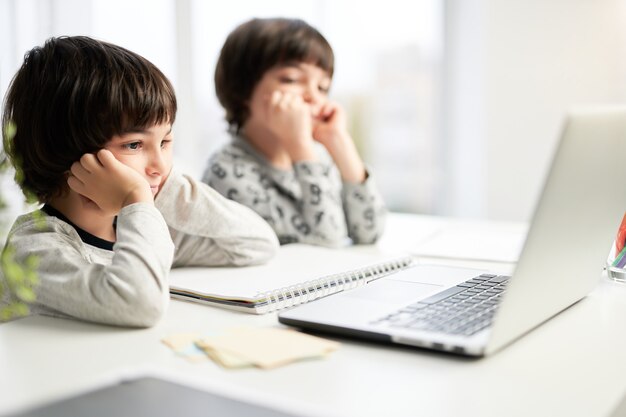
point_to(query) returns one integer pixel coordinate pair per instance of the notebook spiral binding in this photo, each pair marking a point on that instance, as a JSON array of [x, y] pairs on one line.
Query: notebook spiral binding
[[310, 290]]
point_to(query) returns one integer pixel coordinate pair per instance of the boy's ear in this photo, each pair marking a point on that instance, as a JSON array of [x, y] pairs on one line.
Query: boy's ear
[[64, 188]]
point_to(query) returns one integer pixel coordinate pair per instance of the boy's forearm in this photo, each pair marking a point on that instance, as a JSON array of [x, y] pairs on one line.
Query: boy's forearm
[[365, 211], [129, 288], [209, 229], [346, 157]]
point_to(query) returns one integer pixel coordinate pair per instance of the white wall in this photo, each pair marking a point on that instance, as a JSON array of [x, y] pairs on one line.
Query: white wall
[[514, 67]]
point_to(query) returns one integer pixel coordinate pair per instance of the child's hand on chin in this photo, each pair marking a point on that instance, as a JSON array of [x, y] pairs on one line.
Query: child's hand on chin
[[107, 183], [288, 117]]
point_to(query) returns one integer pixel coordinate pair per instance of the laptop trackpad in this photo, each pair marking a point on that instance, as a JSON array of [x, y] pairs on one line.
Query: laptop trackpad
[[389, 291]]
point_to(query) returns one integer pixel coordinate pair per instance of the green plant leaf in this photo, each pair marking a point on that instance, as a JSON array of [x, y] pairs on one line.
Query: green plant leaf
[[19, 279], [25, 294]]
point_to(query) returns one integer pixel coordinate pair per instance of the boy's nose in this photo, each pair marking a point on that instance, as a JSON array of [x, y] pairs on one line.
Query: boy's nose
[[156, 164], [312, 95]]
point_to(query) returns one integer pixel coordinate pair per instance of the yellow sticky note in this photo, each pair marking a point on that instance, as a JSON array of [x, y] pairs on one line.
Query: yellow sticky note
[[183, 344], [222, 357], [180, 341], [270, 347]]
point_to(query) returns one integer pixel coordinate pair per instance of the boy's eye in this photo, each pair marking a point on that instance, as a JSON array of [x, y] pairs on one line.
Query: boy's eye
[[287, 80], [133, 146], [323, 89], [165, 142]]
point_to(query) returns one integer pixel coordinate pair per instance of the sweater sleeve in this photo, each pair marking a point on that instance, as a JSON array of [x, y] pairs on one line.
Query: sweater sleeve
[[365, 211], [210, 230], [130, 291], [320, 208]]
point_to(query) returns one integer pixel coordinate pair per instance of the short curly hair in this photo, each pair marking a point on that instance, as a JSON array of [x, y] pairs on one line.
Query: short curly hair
[[70, 97], [256, 46]]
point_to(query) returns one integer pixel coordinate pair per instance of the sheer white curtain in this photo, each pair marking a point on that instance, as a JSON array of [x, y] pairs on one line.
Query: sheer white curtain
[[24, 24]]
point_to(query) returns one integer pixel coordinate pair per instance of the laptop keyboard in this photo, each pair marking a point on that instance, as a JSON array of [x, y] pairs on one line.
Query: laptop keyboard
[[461, 310]]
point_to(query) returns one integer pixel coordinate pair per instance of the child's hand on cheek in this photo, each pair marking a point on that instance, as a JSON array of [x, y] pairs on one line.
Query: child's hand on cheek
[[330, 125], [108, 183], [330, 129], [289, 119]]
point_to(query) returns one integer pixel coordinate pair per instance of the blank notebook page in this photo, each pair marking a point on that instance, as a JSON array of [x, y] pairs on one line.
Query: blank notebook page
[[294, 264]]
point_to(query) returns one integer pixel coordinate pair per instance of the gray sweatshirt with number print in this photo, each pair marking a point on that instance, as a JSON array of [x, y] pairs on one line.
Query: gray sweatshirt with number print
[[307, 204]]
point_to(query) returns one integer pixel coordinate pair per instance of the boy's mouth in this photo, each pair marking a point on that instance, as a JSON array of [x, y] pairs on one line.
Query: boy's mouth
[[154, 189]]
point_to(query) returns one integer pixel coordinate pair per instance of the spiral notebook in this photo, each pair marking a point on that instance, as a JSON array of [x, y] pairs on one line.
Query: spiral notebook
[[298, 274]]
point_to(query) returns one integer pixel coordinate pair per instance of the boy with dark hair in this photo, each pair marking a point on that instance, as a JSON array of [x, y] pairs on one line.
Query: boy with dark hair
[[93, 143], [291, 158]]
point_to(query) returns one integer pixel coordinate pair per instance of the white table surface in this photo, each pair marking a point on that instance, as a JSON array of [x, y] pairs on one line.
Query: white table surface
[[573, 365]]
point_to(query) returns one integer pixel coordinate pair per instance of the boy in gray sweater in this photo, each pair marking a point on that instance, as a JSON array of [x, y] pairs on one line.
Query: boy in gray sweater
[[93, 143], [291, 158]]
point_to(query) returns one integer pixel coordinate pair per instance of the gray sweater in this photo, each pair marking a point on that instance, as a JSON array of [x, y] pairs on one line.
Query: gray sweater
[[308, 204], [128, 286], [210, 230]]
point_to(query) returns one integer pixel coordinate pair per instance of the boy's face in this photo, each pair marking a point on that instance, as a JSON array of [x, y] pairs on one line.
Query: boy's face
[[298, 78], [148, 151]]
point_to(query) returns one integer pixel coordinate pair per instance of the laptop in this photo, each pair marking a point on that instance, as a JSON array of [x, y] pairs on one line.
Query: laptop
[[476, 313]]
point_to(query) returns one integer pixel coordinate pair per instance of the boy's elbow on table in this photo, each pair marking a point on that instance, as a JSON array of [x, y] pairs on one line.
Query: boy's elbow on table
[[255, 251], [146, 308]]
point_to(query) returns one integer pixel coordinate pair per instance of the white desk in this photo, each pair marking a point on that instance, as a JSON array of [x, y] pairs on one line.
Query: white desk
[[573, 365]]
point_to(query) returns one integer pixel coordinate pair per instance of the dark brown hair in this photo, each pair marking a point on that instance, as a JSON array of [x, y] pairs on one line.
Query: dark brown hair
[[70, 97], [257, 46]]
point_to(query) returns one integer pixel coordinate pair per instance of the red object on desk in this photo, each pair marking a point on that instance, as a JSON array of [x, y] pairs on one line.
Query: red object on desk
[[621, 236]]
